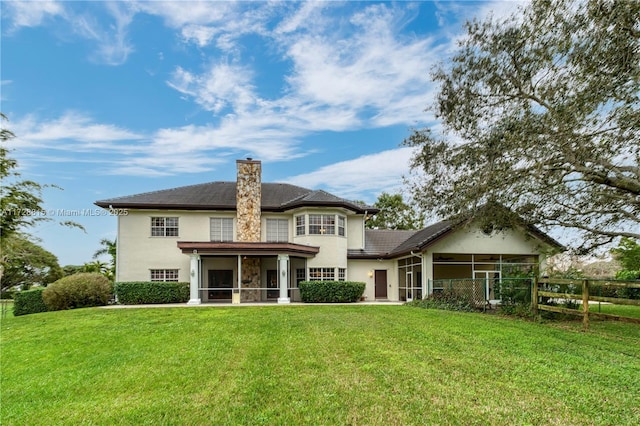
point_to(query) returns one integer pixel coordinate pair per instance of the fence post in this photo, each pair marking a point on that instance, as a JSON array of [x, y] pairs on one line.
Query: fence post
[[585, 304], [534, 296]]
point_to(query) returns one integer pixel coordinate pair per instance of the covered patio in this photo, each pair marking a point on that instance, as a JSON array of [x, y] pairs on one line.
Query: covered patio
[[241, 272]]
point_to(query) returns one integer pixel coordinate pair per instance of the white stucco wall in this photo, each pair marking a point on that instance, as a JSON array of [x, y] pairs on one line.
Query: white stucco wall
[[139, 251], [473, 240], [358, 270], [355, 232], [333, 248]]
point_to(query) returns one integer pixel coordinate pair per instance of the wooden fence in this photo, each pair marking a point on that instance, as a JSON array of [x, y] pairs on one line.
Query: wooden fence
[[547, 293]]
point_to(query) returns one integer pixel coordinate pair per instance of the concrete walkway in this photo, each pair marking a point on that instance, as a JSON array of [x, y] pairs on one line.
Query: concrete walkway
[[240, 305]]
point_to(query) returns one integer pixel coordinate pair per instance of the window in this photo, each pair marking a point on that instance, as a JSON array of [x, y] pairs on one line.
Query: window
[[321, 274], [341, 226], [164, 275], [300, 225], [342, 274], [164, 226], [221, 229], [277, 230], [322, 224], [300, 276]]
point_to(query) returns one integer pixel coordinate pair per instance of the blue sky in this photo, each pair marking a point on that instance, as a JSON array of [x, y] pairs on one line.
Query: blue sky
[[118, 98]]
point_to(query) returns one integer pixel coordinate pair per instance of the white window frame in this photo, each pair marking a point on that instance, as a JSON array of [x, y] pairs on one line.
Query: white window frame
[[277, 230], [301, 225], [342, 274], [341, 225], [164, 275], [221, 229], [165, 226], [322, 274], [322, 224]]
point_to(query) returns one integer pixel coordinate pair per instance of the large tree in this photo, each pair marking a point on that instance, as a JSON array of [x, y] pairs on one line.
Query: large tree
[[540, 113], [25, 263], [395, 213], [21, 208], [20, 200]]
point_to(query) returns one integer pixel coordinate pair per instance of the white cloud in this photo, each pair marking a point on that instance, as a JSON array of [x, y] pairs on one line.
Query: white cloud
[[374, 72], [307, 17], [222, 86], [372, 174], [112, 45], [72, 127], [168, 151], [32, 13], [372, 79], [201, 34]]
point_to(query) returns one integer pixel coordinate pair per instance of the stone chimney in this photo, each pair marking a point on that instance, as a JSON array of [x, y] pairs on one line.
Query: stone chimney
[[248, 199]]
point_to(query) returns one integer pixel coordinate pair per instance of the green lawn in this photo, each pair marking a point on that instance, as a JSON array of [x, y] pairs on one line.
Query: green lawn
[[622, 310], [358, 364]]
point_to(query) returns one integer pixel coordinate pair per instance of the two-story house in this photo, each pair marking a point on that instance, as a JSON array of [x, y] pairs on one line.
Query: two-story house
[[259, 240]]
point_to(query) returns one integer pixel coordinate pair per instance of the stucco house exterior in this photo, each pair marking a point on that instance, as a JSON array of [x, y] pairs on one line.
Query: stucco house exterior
[[252, 241]]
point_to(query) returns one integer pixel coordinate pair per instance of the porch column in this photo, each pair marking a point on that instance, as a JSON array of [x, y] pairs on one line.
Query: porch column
[[283, 278], [194, 280]]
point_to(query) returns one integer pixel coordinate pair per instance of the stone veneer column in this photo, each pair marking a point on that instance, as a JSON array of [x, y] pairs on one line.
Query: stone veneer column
[[248, 208], [248, 200]]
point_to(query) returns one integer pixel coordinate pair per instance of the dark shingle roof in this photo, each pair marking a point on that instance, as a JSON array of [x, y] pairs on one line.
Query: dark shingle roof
[[388, 244], [379, 242], [222, 196], [422, 238], [382, 243]]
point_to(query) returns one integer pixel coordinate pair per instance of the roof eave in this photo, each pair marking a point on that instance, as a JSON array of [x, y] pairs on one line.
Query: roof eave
[[161, 206]]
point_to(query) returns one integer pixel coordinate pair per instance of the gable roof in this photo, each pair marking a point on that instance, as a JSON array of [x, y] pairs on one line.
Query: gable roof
[[386, 244], [276, 197]]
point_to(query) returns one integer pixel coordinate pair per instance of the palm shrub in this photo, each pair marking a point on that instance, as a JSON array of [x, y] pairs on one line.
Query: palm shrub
[[78, 291]]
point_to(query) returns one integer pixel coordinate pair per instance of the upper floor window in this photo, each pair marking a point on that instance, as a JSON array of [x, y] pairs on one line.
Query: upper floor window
[[277, 230], [164, 275], [322, 224], [341, 221], [300, 225], [221, 229], [164, 226]]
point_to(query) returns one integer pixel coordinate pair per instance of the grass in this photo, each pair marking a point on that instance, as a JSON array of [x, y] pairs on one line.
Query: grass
[[631, 311], [328, 365]]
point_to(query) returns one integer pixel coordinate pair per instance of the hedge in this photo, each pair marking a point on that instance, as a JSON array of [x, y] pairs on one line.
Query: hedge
[[331, 291], [142, 292], [29, 302]]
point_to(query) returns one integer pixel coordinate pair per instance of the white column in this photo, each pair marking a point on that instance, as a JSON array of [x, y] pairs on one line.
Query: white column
[[283, 278], [194, 280]]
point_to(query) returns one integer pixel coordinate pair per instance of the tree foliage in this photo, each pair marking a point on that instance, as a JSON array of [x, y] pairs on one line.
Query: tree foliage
[[26, 263], [395, 214], [20, 200], [541, 114], [628, 254], [110, 248]]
